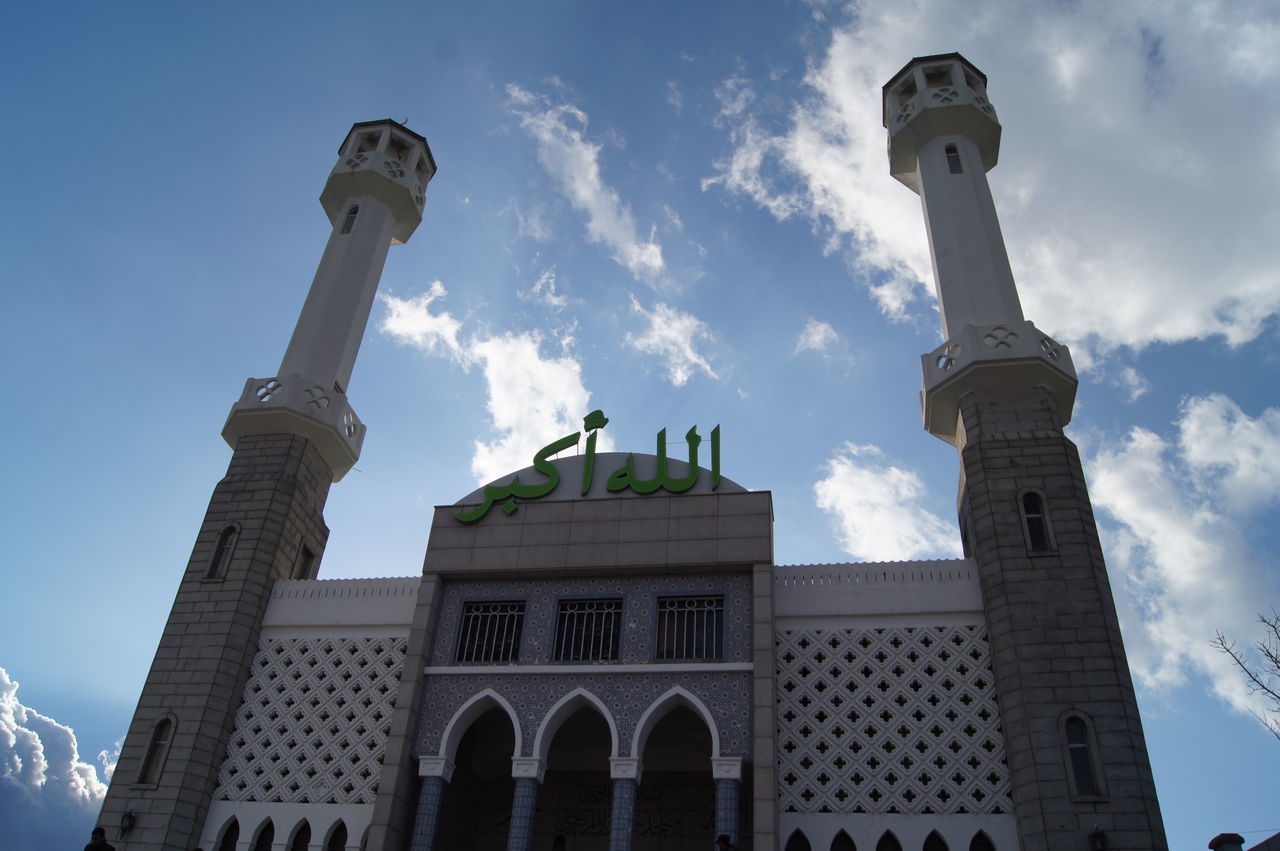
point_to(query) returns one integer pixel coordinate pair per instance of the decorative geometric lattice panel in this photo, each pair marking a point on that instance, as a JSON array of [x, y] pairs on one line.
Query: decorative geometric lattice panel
[[314, 724], [892, 720]]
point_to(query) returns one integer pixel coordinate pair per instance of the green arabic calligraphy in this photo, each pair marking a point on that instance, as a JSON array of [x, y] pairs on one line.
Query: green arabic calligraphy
[[621, 479]]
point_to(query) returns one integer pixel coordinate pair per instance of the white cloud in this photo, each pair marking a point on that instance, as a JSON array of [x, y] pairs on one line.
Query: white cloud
[[544, 290], [1184, 543], [674, 97], [817, 336], [673, 336], [42, 777], [532, 398], [1136, 202], [411, 321], [1132, 382], [573, 162], [878, 508], [532, 401]]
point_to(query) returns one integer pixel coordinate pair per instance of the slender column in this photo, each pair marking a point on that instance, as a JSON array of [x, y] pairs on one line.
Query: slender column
[[520, 836], [728, 808], [427, 819]]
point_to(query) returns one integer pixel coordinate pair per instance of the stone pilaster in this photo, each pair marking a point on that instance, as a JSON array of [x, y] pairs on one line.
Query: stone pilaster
[[273, 494], [427, 819], [523, 811], [394, 808], [1054, 635], [728, 809], [622, 818]]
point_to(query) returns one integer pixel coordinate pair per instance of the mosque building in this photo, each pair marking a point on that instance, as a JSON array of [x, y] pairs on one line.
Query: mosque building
[[600, 649]]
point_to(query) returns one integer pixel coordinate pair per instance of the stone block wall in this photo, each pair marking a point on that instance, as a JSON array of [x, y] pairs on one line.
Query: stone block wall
[[274, 493], [1055, 638]]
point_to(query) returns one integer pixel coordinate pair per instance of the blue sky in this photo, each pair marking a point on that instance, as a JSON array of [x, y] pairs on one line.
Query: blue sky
[[679, 213]]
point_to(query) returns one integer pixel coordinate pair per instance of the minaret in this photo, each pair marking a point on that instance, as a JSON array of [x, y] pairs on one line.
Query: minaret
[[1001, 391], [292, 435]]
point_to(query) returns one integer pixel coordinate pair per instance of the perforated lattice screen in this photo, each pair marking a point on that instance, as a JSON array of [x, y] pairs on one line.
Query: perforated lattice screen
[[314, 723], [892, 720]]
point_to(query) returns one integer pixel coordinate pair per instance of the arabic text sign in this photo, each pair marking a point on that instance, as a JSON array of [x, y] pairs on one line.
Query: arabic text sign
[[624, 478]]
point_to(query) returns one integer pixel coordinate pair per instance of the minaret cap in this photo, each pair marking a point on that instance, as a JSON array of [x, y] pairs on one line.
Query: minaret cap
[[388, 161], [939, 95]]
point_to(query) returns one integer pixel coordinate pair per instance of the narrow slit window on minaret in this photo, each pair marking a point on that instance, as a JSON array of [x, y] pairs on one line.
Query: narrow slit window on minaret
[[302, 568], [350, 220], [1035, 522], [153, 762], [953, 160], [1081, 761], [222, 552]]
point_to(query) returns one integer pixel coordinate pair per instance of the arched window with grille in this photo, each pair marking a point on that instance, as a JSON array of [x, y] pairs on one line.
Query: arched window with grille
[[1036, 528], [953, 160], [157, 752], [350, 220]]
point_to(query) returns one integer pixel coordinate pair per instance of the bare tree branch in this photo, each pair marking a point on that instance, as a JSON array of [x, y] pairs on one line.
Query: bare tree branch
[[1263, 680]]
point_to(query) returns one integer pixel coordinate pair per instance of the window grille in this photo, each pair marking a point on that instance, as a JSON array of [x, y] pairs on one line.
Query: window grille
[[491, 631], [350, 220], [953, 159], [690, 628], [588, 630]]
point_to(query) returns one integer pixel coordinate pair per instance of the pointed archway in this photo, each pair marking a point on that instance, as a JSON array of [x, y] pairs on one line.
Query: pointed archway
[[476, 804], [575, 796]]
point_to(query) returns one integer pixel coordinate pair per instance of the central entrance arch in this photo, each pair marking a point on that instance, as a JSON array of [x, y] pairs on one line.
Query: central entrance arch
[[576, 794]]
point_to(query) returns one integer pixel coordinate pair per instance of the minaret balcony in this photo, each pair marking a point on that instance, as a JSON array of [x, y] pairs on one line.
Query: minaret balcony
[[291, 404], [993, 358]]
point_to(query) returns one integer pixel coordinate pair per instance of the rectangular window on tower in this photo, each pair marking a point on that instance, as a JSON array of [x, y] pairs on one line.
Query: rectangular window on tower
[[690, 629], [490, 631], [588, 630]]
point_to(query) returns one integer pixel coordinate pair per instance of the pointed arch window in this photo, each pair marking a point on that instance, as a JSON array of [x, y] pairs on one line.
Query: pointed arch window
[[350, 220], [888, 842], [934, 842], [338, 838], [981, 842], [953, 160], [301, 837], [798, 841], [266, 836], [157, 751], [230, 837], [1082, 757], [1035, 522], [223, 550], [843, 842]]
